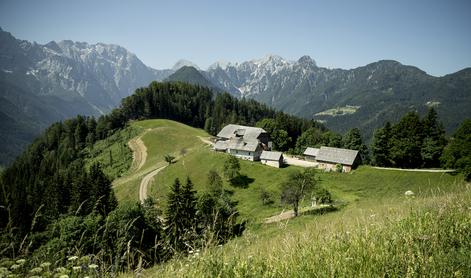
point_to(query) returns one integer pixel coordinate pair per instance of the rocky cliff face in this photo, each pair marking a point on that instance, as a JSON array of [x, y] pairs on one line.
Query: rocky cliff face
[[40, 84], [364, 97]]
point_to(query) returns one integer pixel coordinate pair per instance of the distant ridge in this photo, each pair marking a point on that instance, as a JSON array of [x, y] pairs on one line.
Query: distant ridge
[[191, 75]]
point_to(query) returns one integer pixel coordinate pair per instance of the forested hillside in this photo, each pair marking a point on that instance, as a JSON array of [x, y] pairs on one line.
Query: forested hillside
[[49, 187], [44, 83]]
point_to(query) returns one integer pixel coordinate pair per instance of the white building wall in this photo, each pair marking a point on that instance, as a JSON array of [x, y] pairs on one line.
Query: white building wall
[[252, 156], [271, 163]]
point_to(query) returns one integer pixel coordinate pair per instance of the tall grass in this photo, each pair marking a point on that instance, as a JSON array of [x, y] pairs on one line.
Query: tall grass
[[423, 237]]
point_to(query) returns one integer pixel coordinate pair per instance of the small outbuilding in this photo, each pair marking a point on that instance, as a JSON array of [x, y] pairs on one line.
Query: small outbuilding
[[328, 158], [310, 154], [274, 159]]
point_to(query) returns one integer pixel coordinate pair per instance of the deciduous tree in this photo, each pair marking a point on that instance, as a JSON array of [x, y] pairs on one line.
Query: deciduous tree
[[296, 187]]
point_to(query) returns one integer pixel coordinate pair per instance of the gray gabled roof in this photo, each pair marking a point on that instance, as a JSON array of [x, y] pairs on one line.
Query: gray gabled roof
[[220, 145], [267, 155], [336, 155], [247, 132], [311, 151], [242, 145]]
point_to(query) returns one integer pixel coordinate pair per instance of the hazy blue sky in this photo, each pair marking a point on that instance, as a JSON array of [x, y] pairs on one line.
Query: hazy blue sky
[[433, 35]]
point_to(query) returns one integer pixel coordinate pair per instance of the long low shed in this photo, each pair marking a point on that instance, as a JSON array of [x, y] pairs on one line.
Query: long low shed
[[329, 158]]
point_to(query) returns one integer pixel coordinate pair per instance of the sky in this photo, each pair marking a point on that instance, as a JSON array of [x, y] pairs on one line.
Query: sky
[[433, 35]]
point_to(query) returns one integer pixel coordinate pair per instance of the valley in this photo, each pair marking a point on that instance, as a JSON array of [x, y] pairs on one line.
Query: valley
[[245, 139]]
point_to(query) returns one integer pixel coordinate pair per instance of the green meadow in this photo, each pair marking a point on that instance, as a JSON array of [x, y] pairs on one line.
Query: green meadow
[[375, 231]]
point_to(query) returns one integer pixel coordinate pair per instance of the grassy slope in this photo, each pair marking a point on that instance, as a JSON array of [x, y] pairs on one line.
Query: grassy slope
[[360, 188], [121, 155], [160, 137], [374, 201], [421, 237]]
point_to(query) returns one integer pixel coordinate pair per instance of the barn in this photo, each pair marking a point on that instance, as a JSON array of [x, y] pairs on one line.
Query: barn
[[328, 159], [274, 159], [310, 154]]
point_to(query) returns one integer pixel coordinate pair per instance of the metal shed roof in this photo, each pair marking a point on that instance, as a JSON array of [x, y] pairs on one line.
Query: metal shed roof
[[267, 155], [337, 155], [311, 151], [247, 132], [242, 145]]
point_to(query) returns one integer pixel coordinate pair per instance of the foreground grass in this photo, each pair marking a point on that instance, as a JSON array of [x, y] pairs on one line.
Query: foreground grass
[[422, 237]]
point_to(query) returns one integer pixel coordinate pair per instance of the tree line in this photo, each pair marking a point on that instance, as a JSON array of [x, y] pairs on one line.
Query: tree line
[[49, 187], [410, 143]]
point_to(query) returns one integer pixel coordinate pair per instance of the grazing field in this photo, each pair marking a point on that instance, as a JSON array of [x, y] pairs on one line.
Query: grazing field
[[375, 231], [160, 137], [421, 237], [339, 111]]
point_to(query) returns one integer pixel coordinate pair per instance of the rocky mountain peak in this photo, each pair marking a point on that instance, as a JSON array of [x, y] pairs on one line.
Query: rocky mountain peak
[[307, 60]]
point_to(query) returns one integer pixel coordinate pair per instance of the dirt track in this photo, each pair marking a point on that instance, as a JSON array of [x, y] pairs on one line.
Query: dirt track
[[417, 170], [291, 160], [139, 153], [206, 140], [145, 182]]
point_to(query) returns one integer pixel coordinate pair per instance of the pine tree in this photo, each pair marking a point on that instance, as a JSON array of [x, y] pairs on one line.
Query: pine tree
[[457, 154], [352, 140], [381, 145], [102, 193], [434, 139], [231, 167], [214, 182], [175, 229], [406, 142], [189, 219]]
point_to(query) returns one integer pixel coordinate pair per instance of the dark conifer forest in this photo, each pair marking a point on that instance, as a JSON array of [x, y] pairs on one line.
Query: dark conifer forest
[[48, 188]]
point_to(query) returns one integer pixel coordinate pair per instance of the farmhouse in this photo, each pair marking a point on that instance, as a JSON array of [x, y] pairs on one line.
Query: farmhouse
[[311, 154], [242, 141], [274, 159], [329, 158]]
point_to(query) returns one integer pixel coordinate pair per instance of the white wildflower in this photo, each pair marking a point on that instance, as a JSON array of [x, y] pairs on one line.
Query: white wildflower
[[72, 258], [61, 269], [45, 264], [21, 261], [76, 268], [64, 276], [15, 266], [409, 193], [36, 270], [93, 266]]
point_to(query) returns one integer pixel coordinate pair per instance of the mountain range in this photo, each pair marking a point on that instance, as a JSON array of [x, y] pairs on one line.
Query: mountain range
[[364, 97], [41, 84]]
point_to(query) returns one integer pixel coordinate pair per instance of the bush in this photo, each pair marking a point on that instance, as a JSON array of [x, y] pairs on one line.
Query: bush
[[266, 197]]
